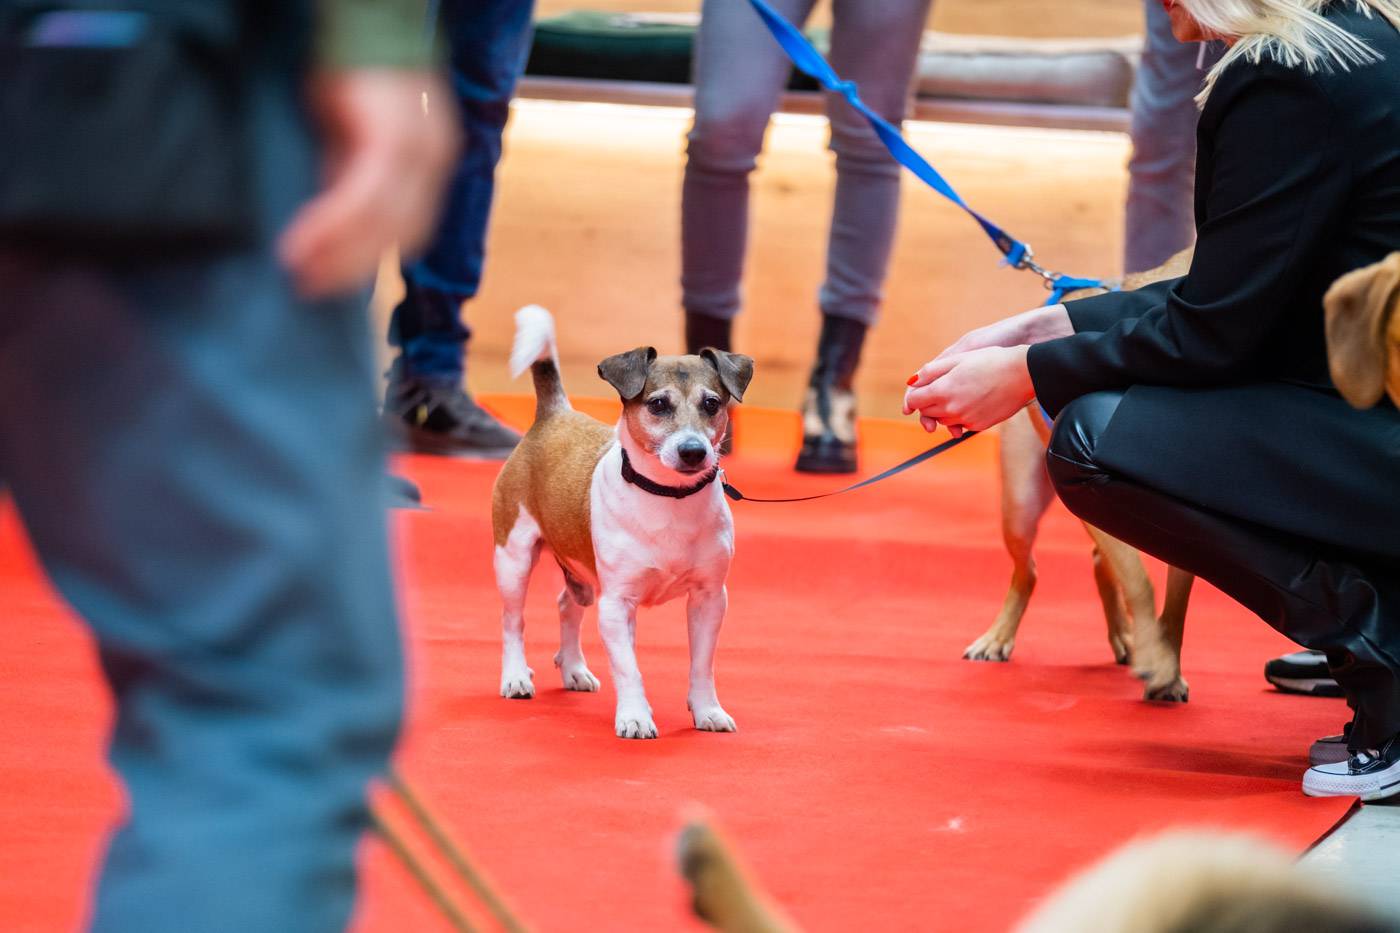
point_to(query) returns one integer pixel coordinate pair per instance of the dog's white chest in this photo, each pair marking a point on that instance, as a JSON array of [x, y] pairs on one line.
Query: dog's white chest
[[654, 548]]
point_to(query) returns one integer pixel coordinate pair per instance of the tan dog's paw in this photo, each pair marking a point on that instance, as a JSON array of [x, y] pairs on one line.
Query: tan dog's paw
[[1121, 643], [634, 725], [714, 719], [990, 647], [1175, 690], [518, 684]]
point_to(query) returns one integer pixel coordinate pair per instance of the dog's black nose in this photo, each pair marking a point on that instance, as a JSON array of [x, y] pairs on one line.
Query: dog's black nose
[[692, 452]]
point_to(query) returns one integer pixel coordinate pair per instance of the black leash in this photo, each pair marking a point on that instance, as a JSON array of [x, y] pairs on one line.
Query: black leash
[[738, 496]]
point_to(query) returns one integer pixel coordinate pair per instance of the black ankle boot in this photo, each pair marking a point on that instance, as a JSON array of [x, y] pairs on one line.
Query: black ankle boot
[[703, 331], [829, 411]]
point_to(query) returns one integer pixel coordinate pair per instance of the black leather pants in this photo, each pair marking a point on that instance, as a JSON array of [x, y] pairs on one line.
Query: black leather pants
[[1346, 604]]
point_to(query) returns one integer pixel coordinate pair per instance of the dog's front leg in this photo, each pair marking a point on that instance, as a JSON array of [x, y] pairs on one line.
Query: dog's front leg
[[705, 614], [617, 619]]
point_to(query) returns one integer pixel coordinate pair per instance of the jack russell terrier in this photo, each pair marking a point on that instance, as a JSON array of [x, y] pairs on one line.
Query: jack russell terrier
[[1136, 633], [632, 513]]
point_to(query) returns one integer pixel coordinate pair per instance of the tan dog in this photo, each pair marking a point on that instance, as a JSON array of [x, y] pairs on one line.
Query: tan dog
[[1201, 881], [1363, 333], [1135, 632], [632, 513]]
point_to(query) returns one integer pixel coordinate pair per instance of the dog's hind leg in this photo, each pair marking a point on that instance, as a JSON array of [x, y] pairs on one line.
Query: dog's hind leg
[[1025, 495], [1170, 685], [572, 667], [1120, 636], [515, 561]]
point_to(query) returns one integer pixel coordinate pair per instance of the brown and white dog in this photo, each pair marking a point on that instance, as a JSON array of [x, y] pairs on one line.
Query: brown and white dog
[[633, 514], [1135, 632]]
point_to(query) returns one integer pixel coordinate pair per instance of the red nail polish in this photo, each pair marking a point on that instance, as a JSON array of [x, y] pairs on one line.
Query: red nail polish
[[913, 379]]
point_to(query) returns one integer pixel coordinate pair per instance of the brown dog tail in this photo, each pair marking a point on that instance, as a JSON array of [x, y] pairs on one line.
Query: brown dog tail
[[535, 349]]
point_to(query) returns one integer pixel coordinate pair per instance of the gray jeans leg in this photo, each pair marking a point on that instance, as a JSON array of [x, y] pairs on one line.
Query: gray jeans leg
[[876, 44], [1162, 173], [740, 72]]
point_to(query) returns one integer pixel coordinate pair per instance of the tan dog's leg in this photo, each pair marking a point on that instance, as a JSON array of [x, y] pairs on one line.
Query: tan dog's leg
[[1025, 495], [722, 894], [569, 660], [1173, 628], [1120, 636], [1153, 659]]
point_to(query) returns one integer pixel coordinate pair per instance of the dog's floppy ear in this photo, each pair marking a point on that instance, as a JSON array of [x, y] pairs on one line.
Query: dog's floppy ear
[[735, 370], [627, 372], [1358, 307]]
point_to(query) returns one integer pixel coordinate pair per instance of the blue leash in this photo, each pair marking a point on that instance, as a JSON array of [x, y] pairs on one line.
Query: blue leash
[[810, 62]]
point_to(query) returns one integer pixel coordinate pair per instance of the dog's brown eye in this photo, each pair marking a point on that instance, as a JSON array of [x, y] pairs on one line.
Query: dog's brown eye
[[660, 407], [710, 406]]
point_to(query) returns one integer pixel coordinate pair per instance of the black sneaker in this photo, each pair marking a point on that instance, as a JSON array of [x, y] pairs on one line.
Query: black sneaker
[[1302, 672], [439, 417], [1330, 749], [1373, 774]]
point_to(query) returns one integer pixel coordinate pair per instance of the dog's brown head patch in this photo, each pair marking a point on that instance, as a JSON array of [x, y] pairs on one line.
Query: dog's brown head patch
[[676, 408], [1363, 332]]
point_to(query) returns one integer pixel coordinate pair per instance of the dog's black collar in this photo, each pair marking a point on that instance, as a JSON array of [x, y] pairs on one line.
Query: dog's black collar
[[630, 475]]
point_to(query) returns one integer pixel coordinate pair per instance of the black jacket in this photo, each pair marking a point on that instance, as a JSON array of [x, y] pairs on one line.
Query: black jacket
[[1297, 182]]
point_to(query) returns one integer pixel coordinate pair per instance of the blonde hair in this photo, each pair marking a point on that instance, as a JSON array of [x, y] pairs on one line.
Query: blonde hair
[[1292, 32]]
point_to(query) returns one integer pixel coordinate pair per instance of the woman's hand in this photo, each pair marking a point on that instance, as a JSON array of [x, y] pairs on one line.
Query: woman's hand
[[1035, 326], [970, 391]]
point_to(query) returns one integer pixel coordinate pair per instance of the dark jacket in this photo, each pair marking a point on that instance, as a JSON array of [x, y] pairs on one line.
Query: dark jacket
[[1227, 401], [1297, 182]]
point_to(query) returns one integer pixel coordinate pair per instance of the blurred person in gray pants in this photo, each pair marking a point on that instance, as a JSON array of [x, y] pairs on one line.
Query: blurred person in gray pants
[[740, 74]]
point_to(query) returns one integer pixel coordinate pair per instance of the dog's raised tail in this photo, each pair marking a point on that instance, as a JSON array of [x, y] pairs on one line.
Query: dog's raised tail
[[535, 349]]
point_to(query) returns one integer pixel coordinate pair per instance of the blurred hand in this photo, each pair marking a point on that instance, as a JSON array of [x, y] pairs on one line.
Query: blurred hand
[[970, 391], [1035, 326], [387, 163]]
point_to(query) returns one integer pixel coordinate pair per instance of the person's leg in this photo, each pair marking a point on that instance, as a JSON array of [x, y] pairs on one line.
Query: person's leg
[[874, 43], [740, 73], [196, 457], [1346, 604], [1160, 217], [489, 41]]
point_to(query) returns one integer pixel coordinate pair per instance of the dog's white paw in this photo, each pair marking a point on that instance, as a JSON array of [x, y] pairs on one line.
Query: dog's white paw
[[634, 723], [576, 675], [580, 678], [518, 683], [714, 719], [990, 647], [1174, 690]]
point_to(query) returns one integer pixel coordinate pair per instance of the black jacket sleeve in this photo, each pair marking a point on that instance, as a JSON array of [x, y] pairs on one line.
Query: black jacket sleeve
[[1278, 181], [1101, 312]]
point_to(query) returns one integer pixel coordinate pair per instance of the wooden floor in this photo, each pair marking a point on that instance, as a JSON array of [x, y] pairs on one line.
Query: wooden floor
[[1029, 18]]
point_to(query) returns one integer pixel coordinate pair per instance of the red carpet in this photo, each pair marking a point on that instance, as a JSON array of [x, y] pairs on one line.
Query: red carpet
[[877, 780]]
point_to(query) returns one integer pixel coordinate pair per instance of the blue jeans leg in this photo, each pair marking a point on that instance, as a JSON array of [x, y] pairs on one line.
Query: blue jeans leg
[[489, 41], [195, 455]]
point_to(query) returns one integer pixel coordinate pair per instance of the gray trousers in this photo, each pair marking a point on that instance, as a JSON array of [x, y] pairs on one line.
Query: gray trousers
[[740, 73], [1161, 217], [195, 456]]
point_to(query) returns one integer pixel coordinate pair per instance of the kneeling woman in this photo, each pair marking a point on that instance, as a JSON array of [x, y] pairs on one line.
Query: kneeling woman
[[1195, 419]]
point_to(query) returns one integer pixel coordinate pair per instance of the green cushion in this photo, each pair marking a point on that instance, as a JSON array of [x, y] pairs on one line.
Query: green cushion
[[618, 47]]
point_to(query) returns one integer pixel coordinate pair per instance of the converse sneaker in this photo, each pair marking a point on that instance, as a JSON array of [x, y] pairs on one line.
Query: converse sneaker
[[1302, 672], [1372, 774], [1330, 749]]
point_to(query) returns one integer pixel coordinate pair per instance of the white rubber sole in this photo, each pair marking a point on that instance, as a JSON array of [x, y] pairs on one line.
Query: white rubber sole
[[1334, 781]]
